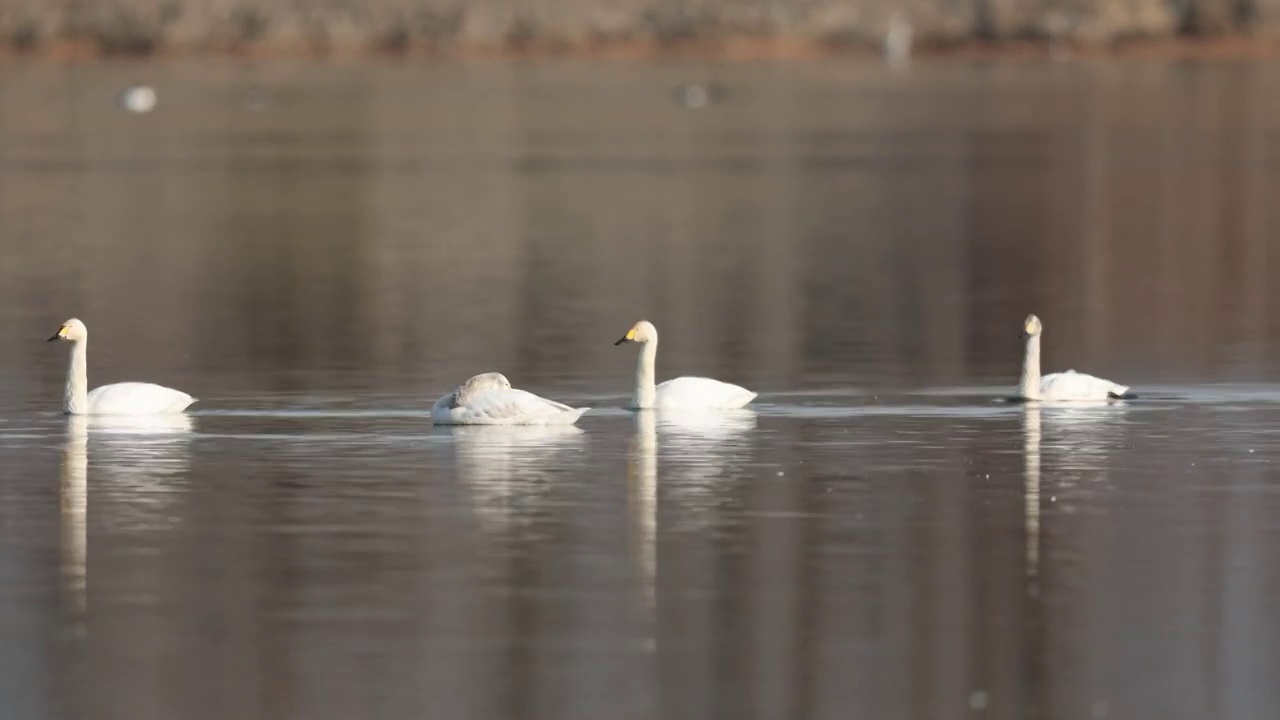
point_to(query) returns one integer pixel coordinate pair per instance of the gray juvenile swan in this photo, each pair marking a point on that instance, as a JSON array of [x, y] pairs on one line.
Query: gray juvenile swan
[[1069, 385], [489, 399], [126, 398]]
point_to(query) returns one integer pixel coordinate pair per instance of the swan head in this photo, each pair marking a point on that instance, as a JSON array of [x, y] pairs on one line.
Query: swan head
[[487, 381], [641, 332], [473, 386], [1031, 327], [72, 331]]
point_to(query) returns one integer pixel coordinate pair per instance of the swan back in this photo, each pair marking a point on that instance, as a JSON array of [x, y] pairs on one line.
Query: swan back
[[489, 399], [507, 407], [700, 393], [137, 398], [1071, 385]]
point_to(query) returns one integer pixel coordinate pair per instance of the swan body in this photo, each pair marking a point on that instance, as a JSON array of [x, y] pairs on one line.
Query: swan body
[[682, 393], [1072, 385], [1069, 385], [126, 398], [698, 393], [136, 398], [489, 399]]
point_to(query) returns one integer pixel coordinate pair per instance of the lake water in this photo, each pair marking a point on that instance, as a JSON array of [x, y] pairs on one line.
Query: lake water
[[319, 251]]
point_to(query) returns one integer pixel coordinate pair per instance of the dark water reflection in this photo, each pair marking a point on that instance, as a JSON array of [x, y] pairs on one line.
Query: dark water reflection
[[875, 538]]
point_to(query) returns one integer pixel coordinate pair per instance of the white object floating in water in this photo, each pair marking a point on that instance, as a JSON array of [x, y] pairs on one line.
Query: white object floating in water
[[683, 393], [695, 96], [489, 399], [138, 99], [898, 39], [126, 398], [1069, 385]]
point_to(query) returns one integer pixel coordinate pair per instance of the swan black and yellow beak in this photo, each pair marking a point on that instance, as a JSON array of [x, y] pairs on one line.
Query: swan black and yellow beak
[[60, 335], [622, 340], [631, 335]]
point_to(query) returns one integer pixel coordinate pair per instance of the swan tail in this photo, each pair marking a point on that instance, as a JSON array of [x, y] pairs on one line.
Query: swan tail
[[1119, 392]]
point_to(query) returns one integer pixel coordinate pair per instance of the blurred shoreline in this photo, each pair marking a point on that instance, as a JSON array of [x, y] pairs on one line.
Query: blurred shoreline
[[638, 29], [726, 49]]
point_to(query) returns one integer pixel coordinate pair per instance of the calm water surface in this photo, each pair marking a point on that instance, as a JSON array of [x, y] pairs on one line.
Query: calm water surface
[[877, 537]]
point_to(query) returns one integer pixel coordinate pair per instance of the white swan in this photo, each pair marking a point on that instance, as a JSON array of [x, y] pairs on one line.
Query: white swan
[[489, 399], [1069, 385], [687, 393], [126, 398]]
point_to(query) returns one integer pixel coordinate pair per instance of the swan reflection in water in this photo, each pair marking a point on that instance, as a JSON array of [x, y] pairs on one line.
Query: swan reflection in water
[[700, 427], [139, 465], [642, 501], [1085, 434], [701, 448], [132, 437], [506, 467], [1031, 470], [74, 498], [131, 452]]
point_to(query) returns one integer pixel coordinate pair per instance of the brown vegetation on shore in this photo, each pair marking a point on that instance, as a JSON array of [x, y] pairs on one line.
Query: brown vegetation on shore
[[633, 29]]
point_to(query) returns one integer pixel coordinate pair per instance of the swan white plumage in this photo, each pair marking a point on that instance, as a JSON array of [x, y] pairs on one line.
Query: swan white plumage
[[1069, 385], [489, 399], [685, 393], [126, 398]]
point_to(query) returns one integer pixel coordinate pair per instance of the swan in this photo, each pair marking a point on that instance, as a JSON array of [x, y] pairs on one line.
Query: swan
[[685, 393], [489, 399], [126, 398], [1069, 385]]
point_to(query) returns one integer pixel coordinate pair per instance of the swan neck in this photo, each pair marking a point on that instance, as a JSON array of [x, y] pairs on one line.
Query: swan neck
[[1029, 387], [75, 399], [645, 390]]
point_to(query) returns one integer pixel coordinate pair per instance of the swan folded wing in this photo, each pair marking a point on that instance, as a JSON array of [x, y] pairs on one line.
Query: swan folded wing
[[702, 393], [1071, 385], [445, 404], [137, 398], [505, 407]]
